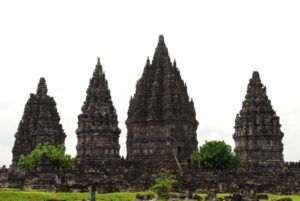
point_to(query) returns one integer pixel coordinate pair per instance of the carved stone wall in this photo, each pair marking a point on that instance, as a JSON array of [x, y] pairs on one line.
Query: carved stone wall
[[136, 176], [160, 142]]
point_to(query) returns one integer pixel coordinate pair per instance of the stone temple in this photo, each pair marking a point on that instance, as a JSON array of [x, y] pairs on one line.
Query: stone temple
[[97, 132], [39, 124], [161, 119], [161, 133], [257, 136]]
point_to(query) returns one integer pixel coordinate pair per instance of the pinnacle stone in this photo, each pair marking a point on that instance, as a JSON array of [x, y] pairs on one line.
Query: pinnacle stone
[[42, 87], [161, 40]]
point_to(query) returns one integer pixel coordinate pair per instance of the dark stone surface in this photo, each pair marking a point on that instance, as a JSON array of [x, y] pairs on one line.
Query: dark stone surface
[[161, 117], [258, 136], [39, 124], [97, 132]]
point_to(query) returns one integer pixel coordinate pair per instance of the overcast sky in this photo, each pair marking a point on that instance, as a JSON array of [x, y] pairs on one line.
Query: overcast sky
[[217, 45]]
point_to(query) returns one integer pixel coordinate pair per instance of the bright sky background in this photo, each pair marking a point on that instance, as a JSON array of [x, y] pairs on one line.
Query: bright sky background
[[217, 45]]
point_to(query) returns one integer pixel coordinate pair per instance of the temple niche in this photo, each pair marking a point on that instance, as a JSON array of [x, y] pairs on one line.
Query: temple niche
[[39, 124], [161, 119], [258, 137], [97, 132]]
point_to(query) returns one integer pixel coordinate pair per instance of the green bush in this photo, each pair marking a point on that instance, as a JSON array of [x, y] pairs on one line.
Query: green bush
[[163, 184], [215, 155], [56, 155]]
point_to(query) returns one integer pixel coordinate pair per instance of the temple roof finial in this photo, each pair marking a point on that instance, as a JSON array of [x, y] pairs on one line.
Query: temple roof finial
[[42, 87], [161, 40], [255, 81], [255, 74], [98, 68], [161, 51]]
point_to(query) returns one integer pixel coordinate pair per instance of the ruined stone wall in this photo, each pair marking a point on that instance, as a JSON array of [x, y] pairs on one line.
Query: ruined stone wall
[[3, 176], [235, 181], [132, 176], [278, 179]]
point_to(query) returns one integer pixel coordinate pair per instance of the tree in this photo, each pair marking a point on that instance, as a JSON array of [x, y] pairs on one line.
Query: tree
[[163, 183], [56, 155], [215, 155]]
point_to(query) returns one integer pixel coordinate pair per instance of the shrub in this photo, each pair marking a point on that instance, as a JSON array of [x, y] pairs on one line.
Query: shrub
[[215, 155]]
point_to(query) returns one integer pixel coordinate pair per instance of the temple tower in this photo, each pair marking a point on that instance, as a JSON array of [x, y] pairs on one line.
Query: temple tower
[[161, 119], [39, 124], [257, 136], [97, 132]]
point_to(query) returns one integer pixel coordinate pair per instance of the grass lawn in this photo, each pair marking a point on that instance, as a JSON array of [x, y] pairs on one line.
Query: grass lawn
[[294, 197], [270, 196], [35, 195]]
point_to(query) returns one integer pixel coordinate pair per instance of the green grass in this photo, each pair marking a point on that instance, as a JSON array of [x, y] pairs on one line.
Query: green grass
[[273, 196], [270, 196], [36, 195]]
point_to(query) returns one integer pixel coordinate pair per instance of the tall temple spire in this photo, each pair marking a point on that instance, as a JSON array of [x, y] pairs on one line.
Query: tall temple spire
[[258, 136], [97, 132], [39, 124], [161, 119]]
